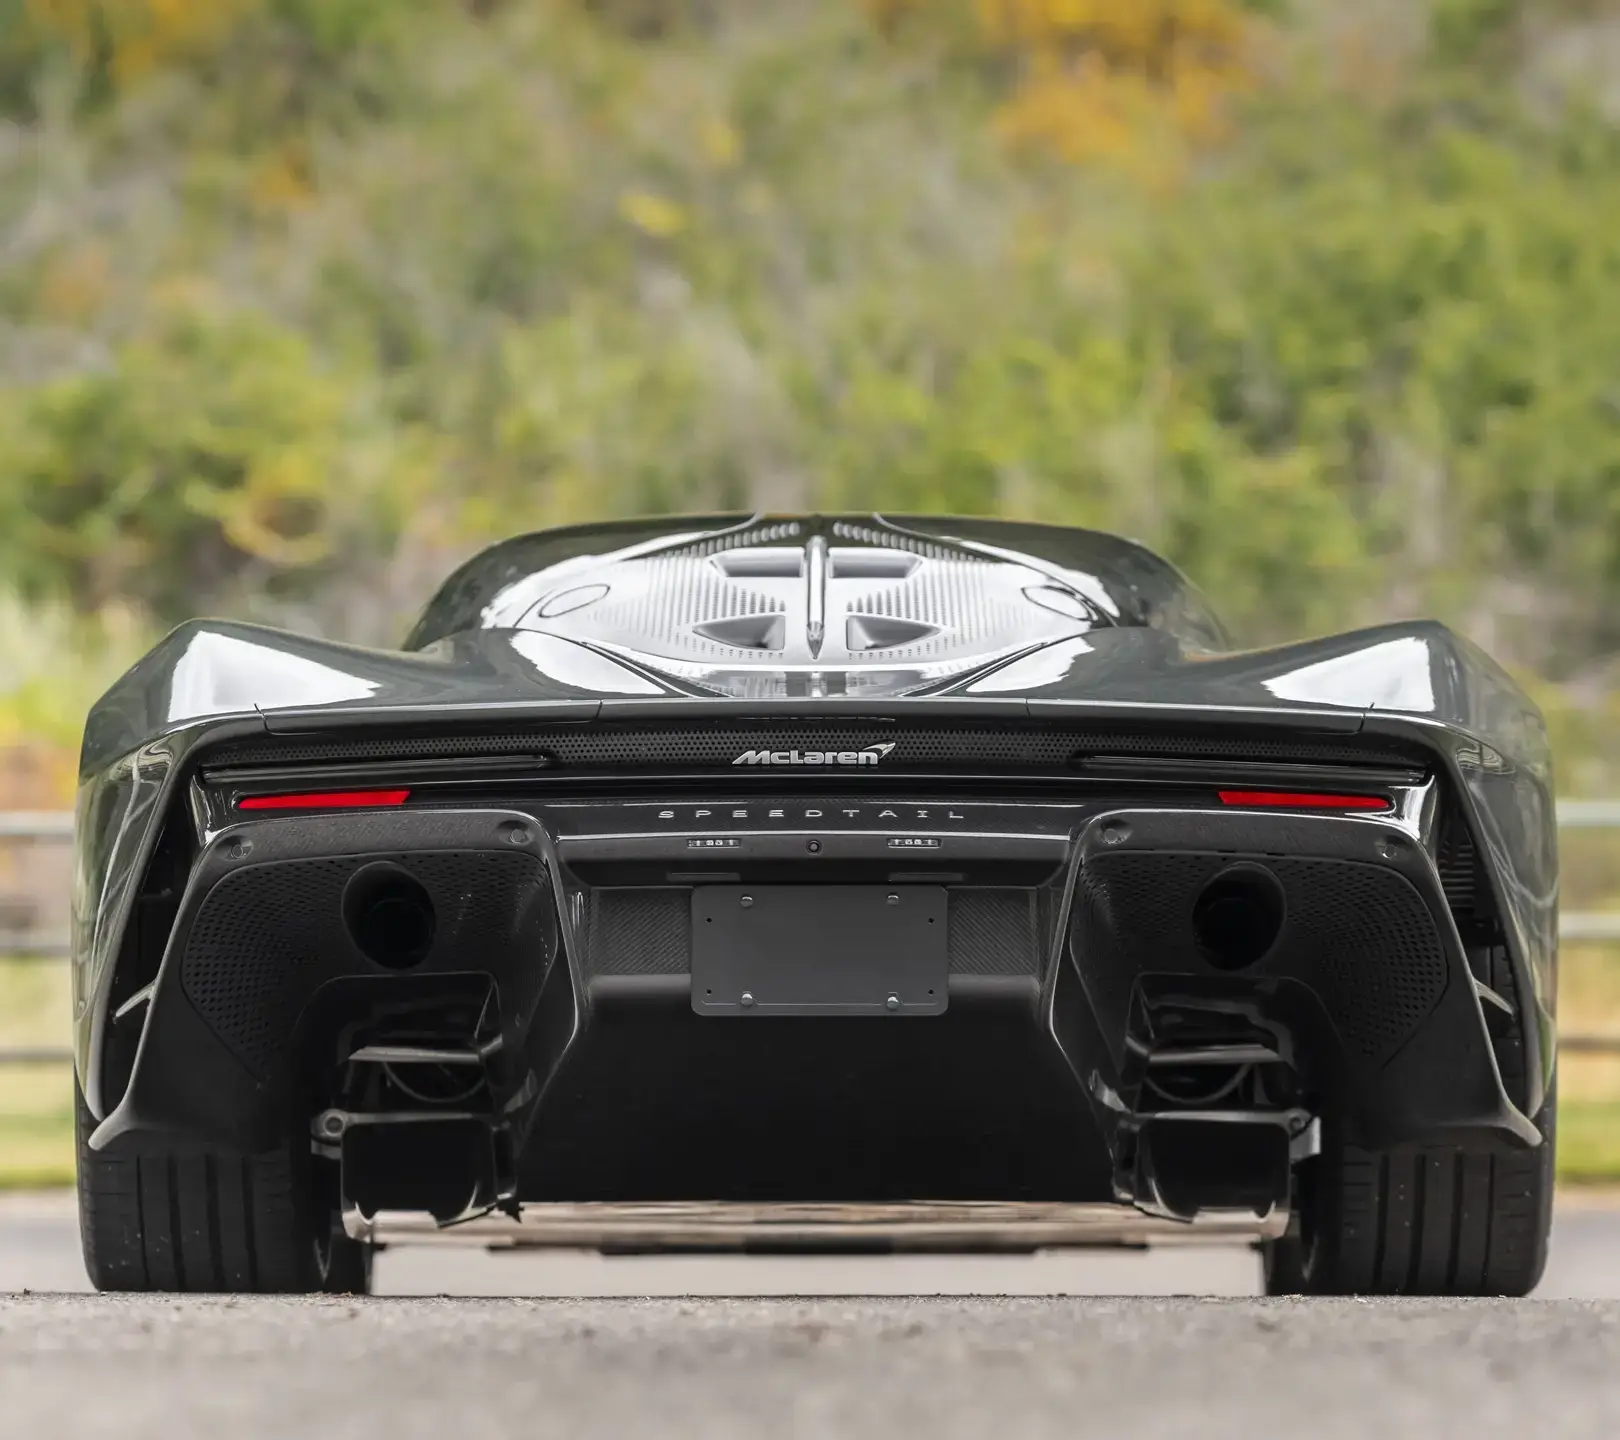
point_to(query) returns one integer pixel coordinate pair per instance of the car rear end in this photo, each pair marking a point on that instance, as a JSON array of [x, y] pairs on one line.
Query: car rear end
[[915, 956]]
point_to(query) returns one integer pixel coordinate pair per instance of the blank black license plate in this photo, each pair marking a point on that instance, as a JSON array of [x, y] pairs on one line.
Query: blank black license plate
[[819, 950]]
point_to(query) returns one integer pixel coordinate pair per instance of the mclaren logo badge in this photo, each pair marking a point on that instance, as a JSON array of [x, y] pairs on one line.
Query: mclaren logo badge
[[870, 755]]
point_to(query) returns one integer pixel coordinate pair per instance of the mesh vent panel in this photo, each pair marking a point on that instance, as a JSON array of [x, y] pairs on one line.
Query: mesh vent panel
[[1375, 952], [256, 947], [1359, 935], [1236, 747], [269, 935], [393, 747], [1144, 900]]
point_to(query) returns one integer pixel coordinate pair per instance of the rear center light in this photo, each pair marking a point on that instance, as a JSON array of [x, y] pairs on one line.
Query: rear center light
[[1297, 800], [325, 800]]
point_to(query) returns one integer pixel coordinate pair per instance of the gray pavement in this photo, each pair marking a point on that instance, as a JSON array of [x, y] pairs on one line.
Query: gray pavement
[[126, 1369], [1068, 1345]]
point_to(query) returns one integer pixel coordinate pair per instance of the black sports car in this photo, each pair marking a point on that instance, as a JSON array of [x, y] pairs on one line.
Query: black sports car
[[810, 881]]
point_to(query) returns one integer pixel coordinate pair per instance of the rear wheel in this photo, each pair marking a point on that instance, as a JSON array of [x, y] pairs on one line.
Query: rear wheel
[[1436, 1221], [1427, 1221], [210, 1222]]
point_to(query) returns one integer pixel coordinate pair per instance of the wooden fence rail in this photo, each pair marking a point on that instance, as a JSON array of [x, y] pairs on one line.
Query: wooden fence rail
[[49, 827]]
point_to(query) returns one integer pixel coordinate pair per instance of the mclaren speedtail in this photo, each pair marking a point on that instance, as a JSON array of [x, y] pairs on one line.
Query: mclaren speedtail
[[814, 882]]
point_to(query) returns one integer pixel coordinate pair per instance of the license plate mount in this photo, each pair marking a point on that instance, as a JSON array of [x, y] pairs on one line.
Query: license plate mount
[[822, 950]]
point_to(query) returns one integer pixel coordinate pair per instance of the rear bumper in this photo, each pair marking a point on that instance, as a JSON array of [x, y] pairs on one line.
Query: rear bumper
[[1069, 955]]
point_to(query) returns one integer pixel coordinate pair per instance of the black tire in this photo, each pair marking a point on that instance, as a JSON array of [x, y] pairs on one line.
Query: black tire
[[1436, 1221], [221, 1223], [1439, 1221]]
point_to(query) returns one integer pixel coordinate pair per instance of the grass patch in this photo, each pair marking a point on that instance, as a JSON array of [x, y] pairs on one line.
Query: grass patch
[[1589, 989], [1589, 1085], [1588, 1142], [36, 1127], [36, 1101]]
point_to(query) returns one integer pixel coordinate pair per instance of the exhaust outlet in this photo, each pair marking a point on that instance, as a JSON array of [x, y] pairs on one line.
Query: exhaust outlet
[[389, 915], [1237, 917]]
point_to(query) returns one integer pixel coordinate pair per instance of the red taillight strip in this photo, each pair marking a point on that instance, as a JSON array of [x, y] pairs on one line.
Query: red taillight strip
[[325, 800], [1289, 800]]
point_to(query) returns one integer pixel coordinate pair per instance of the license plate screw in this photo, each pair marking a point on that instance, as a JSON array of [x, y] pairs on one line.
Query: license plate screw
[[747, 998], [893, 1002], [894, 899], [747, 900]]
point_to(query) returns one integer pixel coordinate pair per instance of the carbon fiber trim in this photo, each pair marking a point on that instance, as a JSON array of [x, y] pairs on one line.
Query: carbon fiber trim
[[994, 932], [638, 932], [620, 747]]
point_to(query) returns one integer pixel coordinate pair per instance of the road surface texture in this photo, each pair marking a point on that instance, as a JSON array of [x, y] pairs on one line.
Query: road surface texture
[[1058, 1359]]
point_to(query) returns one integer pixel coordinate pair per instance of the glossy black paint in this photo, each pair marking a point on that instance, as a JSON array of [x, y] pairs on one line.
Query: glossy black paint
[[1155, 654]]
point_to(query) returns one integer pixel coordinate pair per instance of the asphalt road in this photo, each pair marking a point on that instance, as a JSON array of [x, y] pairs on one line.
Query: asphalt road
[[726, 1351], [937, 1367]]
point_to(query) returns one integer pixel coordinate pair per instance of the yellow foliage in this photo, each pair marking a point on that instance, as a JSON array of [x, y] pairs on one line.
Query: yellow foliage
[[282, 180], [1150, 34], [134, 37], [278, 513], [1122, 79], [722, 145], [1081, 109], [652, 214], [75, 283], [890, 15], [53, 663], [1130, 81]]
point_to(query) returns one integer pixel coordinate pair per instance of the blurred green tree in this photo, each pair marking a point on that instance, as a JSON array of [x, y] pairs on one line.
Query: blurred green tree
[[212, 451], [1322, 311]]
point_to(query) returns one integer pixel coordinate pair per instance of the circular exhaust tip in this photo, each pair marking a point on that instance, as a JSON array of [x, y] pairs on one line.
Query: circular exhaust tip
[[1238, 916], [389, 915]]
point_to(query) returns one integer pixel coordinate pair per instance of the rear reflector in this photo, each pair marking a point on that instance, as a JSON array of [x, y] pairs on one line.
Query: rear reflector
[[1290, 800], [324, 800]]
